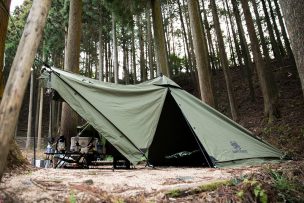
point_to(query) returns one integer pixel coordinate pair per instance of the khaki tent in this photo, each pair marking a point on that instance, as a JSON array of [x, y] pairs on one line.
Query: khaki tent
[[160, 121]]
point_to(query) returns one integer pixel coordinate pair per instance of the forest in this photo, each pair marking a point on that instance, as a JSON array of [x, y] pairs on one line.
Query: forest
[[243, 59]]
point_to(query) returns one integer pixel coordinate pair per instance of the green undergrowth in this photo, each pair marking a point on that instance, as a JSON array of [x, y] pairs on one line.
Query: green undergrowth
[[280, 184]]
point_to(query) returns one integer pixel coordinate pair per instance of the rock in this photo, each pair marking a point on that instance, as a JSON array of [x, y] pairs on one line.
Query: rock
[[88, 182]]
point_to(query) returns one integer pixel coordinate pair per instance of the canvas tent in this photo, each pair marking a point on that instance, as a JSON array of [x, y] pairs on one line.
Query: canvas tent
[[159, 120]]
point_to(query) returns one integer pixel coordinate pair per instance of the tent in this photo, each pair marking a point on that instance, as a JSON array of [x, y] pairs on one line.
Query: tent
[[160, 121]]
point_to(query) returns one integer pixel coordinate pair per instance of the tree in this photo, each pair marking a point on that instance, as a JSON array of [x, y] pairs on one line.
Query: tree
[[159, 35], [201, 53], [294, 17], [71, 63], [19, 75], [245, 51], [224, 60], [4, 14], [265, 75]]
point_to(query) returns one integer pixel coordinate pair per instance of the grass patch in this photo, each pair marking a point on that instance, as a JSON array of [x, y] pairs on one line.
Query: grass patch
[[178, 193]]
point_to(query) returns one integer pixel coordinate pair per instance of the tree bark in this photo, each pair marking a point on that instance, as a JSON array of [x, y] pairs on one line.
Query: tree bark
[[40, 120], [19, 75], [224, 60], [261, 32], [274, 44], [101, 56], [187, 52], [149, 39], [29, 120], [159, 37], [4, 15], [283, 30], [265, 75], [143, 73], [276, 29], [115, 51], [294, 17], [201, 53], [236, 43], [133, 57], [245, 51], [71, 63]]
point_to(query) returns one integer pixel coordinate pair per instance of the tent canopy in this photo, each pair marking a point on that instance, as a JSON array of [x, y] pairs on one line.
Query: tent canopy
[[159, 120]]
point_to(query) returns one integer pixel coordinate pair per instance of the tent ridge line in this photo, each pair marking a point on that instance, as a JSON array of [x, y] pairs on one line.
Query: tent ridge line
[[58, 75]]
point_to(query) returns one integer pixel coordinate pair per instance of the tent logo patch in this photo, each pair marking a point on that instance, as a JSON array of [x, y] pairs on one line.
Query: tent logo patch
[[237, 148]]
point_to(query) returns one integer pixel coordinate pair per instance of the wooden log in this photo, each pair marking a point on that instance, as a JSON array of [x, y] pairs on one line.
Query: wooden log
[[19, 75]]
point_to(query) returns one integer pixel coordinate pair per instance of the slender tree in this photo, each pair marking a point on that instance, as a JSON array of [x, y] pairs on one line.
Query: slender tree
[[201, 53], [71, 63], [265, 75], [261, 32], [283, 30], [224, 60], [274, 44], [159, 37], [245, 51], [19, 75], [294, 18]]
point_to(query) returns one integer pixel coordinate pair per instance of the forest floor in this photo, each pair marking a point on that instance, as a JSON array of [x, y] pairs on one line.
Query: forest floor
[[282, 182]]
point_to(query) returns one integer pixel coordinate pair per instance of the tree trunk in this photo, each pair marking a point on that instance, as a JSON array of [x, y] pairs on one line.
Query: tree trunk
[[276, 29], [274, 44], [201, 53], [245, 50], [224, 60], [270, 100], [19, 75], [159, 37], [187, 52], [283, 29], [149, 39], [294, 17], [4, 15], [40, 127], [261, 32], [71, 63], [236, 43], [101, 56], [30, 120], [115, 51], [133, 57], [143, 73]]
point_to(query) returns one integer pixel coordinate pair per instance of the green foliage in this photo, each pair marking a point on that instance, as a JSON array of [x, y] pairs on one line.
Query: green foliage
[[72, 198], [174, 193]]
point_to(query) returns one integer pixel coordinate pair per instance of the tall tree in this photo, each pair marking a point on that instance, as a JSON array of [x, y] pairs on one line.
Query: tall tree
[[265, 74], [71, 63], [224, 60], [159, 37], [115, 51], [283, 30], [294, 18], [261, 32], [274, 44], [201, 53], [245, 51], [4, 15], [149, 39], [276, 29], [19, 75]]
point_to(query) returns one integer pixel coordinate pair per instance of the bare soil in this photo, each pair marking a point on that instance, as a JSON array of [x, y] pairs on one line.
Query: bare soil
[[60, 185]]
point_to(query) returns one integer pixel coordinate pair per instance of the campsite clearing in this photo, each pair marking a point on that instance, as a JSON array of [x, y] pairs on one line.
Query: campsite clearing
[[59, 185]]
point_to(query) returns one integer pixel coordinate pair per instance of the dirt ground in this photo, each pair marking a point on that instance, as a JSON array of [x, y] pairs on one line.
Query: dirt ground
[[102, 185]]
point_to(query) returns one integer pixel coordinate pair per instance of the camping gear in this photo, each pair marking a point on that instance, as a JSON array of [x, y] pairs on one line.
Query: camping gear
[[61, 144], [158, 119]]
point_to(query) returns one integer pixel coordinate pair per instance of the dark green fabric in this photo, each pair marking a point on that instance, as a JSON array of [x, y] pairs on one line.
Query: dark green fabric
[[129, 117]]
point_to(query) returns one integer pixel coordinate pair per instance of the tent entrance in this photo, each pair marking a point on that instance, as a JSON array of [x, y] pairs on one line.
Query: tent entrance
[[174, 143]]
